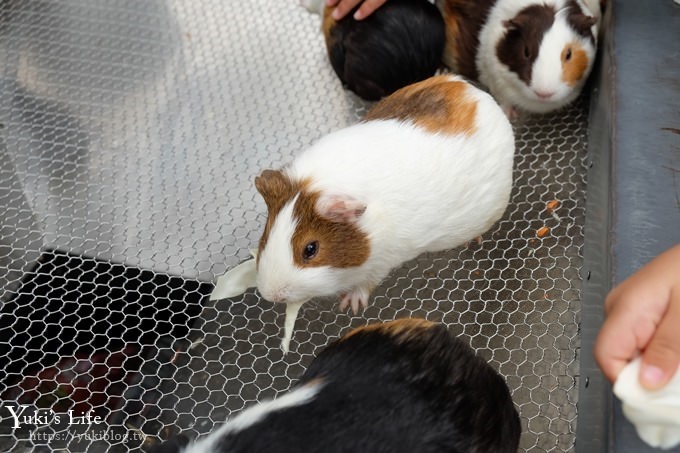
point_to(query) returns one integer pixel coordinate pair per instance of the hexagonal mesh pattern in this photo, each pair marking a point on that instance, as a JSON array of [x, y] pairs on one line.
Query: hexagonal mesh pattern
[[130, 133]]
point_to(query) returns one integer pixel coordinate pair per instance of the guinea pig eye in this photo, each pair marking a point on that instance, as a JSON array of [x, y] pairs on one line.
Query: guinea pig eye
[[310, 250], [527, 53], [567, 56]]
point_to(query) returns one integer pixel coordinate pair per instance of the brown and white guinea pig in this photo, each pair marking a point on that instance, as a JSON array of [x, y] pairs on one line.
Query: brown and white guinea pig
[[402, 386], [532, 55], [399, 44], [428, 169]]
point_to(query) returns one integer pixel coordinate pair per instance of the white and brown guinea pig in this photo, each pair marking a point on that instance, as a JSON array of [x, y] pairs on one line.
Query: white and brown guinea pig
[[429, 168], [403, 386], [532, 55], [399, 44]]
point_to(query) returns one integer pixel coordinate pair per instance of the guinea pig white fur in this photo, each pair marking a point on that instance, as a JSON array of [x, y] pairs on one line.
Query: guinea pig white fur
[[428, 169], [399, 387], [534, 56]]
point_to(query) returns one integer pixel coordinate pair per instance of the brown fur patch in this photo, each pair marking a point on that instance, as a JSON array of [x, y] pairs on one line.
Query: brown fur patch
[[518, 49], [340, 244], [327, 24], [464, 19], [452, 53], [575, 67], [401, 330], [437, 104], [276, 189], [580, 21]]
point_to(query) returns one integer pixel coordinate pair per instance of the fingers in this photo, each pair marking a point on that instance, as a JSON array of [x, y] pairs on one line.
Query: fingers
[[343, 7], [643, 317], [367, 8], [632, 316], [662, 356], [616, 342]]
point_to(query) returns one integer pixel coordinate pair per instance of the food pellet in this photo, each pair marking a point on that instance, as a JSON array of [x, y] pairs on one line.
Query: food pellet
[[542, 231]]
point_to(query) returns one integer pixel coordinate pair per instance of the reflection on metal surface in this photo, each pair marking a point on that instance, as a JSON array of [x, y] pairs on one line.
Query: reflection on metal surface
[[133, 131]]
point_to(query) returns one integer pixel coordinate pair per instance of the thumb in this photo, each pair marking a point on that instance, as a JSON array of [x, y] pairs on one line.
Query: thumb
[[662, 355]]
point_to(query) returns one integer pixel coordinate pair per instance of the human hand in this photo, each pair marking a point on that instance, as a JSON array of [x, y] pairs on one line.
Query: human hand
[[643, 317], [342, 7]]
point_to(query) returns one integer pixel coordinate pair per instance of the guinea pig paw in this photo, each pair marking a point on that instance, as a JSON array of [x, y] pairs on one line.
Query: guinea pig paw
[[355, 298], [478, 240], [510, 112]]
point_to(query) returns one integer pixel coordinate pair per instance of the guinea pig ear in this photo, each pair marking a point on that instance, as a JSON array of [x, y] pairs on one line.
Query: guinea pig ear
[[340, 208], [512, 24], [272, 184], [582, 23]]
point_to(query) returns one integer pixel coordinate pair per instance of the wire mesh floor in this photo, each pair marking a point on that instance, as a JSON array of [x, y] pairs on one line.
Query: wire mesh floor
[[130, 134]]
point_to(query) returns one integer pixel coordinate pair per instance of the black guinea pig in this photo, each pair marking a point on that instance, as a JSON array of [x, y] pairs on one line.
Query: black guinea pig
[[400, 43], [403, 386]]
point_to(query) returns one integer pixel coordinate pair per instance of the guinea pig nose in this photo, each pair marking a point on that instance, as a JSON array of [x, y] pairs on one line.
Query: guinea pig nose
[[545, 95]]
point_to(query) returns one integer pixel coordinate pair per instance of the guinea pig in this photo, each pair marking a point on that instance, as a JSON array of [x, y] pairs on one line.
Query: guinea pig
[[399, 44], [402, 386], [532, 55], [429, 168]]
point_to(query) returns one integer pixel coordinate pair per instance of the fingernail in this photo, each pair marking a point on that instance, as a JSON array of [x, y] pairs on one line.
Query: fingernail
[[651, 375], [358, 15], [335, 14]]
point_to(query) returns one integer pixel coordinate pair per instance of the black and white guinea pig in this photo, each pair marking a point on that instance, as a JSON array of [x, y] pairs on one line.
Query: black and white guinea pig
[[402, 386], [428, 169], [532, 55], [399, 44]]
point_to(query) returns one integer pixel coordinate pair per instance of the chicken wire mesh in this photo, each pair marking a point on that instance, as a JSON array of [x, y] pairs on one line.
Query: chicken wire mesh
[[130, 133]]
